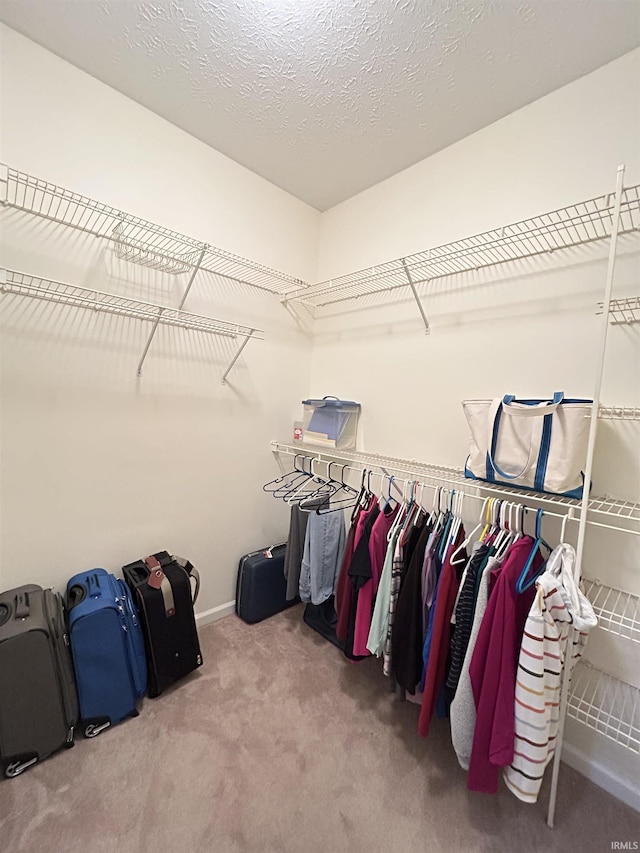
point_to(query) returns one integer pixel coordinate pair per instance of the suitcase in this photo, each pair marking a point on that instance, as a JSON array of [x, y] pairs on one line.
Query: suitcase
[[162, 589], [107, 649], [38, 701], [261, 589]]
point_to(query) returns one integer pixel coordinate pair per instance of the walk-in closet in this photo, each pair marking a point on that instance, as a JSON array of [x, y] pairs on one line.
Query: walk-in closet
[[333, 310]]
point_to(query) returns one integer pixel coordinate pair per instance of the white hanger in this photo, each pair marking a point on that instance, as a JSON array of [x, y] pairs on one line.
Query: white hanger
[[467, 541]]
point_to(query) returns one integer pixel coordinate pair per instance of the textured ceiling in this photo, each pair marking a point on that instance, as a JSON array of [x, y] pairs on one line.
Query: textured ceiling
[[327, 97]]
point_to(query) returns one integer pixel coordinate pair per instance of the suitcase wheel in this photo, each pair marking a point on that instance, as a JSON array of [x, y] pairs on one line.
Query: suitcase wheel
[[135, 713], [17, 767], [94, 729]]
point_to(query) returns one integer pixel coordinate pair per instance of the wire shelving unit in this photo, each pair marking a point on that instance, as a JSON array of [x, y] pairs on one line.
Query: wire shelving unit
[[620, 413], [585, 222], [603, 511], [135, 239], [618, 612], [22, 284], [606, 704], [623, 311]]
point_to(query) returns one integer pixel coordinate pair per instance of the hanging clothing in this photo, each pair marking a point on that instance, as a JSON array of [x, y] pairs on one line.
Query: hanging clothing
[[462, 712], [359, 571], [343, 586], [557, 605], [380, 619], [463, 615], [407, 627], [367, 593], [431, 569], [493, 669], [295, 549], [436, 662], [404, 549], [323, 546]]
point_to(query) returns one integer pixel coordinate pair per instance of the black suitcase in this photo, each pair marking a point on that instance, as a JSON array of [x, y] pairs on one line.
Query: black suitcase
[[38, 700], [162, 590], [261, 588]]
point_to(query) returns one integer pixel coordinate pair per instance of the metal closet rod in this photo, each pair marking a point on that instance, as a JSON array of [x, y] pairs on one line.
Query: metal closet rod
[[414, 476]]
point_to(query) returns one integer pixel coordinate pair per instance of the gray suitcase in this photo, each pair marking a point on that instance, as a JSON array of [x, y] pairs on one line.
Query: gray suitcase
[[38, 700]]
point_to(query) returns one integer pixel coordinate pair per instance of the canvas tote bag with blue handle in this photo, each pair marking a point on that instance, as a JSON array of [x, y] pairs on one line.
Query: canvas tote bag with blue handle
[[530, 444]]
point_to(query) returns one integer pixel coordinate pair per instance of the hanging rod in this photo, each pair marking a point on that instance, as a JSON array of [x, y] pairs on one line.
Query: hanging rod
[[620, 413], [578, 224], [602, 507], [135, 239], [81, 297]]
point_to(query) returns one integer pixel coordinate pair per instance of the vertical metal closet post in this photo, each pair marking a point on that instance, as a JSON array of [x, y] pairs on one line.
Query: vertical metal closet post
[[593, 429], [154, 328]]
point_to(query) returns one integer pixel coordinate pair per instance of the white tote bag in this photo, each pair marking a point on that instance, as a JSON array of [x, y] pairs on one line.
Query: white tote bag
[[529, 444]]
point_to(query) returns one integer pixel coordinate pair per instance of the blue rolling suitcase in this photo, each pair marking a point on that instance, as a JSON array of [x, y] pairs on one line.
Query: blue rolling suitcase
[[107, 649]]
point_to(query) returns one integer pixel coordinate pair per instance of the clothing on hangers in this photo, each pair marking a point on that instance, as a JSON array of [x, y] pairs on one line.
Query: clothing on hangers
[[463, 614], [462, 713], [558, 604], [323, 546], [343, 585], [359, 571], [407, 627], [380, 618], [493, 668], [295, 549], [436, 660], [367, 593], [405, 547]]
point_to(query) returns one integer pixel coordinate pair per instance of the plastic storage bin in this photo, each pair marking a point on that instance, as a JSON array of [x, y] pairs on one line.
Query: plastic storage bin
[[330, 423]]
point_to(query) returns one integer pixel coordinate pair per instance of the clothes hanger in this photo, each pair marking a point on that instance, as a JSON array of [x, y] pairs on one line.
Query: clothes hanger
[[342, 487], [523, 583], [298, 494], [468, 540], [297, 473]]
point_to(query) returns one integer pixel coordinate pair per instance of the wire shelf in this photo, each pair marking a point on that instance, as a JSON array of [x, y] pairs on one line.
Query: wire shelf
[[82, 297], [136, 239], [606, 510], [606, 704], [619, 413], [622, 311], [585, 222], [618, 612]]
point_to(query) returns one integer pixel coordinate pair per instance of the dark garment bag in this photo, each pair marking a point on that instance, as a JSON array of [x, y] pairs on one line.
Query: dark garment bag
[[38, 701], [162, 589]]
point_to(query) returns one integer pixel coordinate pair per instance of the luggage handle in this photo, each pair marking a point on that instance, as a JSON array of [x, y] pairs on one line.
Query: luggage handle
[[192, 572], [75, 595], [158, 580], [22, 608]]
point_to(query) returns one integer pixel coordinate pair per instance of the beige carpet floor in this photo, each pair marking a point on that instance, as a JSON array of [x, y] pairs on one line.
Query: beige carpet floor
[[280, 744]]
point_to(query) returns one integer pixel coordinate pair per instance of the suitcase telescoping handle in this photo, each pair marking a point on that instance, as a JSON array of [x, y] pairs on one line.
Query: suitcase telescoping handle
[[193, 573]]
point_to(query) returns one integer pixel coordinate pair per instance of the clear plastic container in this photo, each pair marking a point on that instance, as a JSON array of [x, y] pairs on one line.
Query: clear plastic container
[[330, 422]]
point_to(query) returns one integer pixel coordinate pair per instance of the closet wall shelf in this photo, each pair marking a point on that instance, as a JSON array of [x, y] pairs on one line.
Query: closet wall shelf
[[623, 311], [81, 297], [584, 222], [606, 704], [618, 612], [620, 413], [605, 509], [135, 239]]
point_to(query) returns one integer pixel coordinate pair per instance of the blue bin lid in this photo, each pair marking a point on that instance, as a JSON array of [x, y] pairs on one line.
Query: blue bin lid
[[332, 402]]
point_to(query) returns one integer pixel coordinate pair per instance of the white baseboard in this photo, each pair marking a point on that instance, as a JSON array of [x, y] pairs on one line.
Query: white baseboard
[[216, 613], [600, 775]]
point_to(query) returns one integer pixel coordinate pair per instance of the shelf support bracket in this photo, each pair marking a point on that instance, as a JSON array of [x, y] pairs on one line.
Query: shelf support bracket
[[237, 355], [427, 330], [156, 322]]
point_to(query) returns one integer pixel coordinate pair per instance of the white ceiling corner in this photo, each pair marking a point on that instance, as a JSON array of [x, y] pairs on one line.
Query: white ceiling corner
[[327, 97]]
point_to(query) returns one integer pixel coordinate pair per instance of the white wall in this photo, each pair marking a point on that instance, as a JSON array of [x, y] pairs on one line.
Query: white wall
[[99, 467], [527, 329]]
